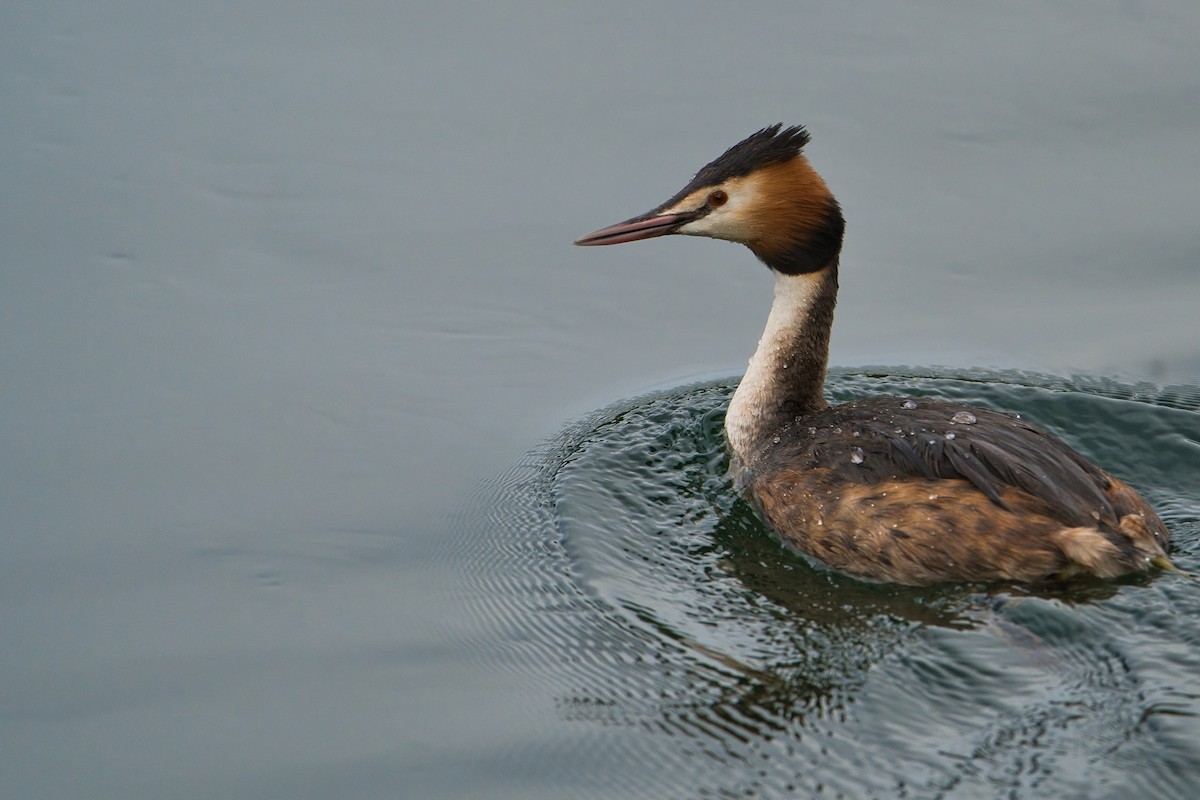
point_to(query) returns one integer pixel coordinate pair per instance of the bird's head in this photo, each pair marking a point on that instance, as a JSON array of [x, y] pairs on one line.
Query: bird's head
[[762, 193]]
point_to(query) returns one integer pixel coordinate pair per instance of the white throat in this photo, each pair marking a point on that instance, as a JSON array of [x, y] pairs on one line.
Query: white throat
[[766, 399]]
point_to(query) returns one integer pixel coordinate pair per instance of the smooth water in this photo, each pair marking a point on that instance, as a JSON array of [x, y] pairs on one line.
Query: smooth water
[[658, 614]]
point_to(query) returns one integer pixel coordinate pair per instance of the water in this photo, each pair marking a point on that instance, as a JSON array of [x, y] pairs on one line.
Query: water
[[656, 609], [282, 285]]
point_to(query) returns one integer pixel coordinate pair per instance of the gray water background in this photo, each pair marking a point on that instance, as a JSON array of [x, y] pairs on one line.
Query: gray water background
[[281, 283]]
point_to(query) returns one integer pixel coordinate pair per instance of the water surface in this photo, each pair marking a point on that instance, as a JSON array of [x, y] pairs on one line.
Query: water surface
[[283, 284], [659, 611]]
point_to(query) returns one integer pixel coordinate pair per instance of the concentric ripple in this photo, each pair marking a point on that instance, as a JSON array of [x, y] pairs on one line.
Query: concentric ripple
[[619, 569]]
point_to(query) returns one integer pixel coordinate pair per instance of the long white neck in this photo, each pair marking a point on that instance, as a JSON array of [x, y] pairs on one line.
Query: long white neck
[[786, 376]]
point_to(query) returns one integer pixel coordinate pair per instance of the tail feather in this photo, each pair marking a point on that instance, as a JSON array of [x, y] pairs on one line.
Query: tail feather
[[1089, 551]]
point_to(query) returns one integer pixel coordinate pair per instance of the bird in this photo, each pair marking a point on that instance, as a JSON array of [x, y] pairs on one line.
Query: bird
[[905, 490]]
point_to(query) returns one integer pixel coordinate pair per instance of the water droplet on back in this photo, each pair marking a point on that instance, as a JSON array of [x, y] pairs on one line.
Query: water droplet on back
[[964, 418]]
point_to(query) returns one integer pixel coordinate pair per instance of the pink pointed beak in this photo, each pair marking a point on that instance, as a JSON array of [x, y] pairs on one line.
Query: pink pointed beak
[[646, 226]]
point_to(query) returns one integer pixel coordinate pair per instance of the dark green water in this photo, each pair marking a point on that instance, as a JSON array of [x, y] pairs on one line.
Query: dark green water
[[621, 573]]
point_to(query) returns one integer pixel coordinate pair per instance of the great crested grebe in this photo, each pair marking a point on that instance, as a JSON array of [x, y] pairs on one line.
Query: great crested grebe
[[905, 490]]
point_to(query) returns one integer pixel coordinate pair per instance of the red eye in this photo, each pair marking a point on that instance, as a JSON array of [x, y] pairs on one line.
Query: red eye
[[718, 198]]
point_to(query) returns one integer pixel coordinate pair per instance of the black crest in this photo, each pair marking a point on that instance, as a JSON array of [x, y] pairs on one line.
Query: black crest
[[768, 146]]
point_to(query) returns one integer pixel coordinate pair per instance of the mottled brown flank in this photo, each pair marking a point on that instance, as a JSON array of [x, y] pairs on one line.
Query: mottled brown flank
[[919, 531]]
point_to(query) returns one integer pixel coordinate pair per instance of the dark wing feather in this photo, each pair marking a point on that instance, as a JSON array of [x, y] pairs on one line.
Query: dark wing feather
[[1053, 473], [880, 439], [904, 453], [962, 463]]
